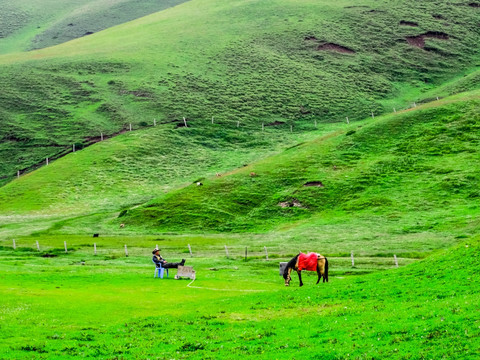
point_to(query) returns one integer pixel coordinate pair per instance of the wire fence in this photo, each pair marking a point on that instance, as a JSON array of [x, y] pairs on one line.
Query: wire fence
[[234, 253], [185, 122]]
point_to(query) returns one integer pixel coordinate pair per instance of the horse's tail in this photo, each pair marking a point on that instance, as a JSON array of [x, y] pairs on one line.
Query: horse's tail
[[325, 275]]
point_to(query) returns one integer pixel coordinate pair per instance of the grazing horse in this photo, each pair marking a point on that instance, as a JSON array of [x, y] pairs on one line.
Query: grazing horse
[[310, 262]]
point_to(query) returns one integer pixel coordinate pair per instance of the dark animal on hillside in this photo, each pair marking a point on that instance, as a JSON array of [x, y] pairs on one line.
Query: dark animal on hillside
[[310, 262]]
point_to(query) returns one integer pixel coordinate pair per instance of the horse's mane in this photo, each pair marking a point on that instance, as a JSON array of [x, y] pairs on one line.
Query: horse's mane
[[290, 264]]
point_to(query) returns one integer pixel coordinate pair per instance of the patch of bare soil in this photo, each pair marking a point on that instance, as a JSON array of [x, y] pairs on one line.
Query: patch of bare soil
[[419, 40], [292, 203], [335, 47], [275, 123], [408, 23], [314, 184], [437, 35]]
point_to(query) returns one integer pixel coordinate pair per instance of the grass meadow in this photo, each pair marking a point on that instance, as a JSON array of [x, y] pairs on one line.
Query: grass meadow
[[112, 308]]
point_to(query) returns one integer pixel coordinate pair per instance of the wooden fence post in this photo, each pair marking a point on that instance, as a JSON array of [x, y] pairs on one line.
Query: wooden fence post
[[226, 250], [190, 249], [245, 253], [46, 161], [38, 245], [353, 261], [130, 126], [94, 248], [263, 126], [65, 245], [238, 123], [291, 128], [101, 136], [373, 116], [18, 174], [185, 122], [73, 148], [154, 122], [266, 252], [14, 245], [126, 250], [212, 119], [315, 124], [396, 261], [394, 110], [348, 122]]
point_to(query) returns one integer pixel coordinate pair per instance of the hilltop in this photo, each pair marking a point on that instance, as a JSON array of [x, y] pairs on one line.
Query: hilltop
[[28, 25]]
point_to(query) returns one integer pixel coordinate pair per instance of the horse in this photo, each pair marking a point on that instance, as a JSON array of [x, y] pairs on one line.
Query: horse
[[321, 268]]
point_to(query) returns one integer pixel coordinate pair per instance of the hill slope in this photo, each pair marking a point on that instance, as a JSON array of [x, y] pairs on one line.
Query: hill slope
[[27, 25], [420, 166], [248, 61]]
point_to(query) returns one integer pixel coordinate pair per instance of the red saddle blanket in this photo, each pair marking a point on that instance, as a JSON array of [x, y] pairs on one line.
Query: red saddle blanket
[[307, 261]]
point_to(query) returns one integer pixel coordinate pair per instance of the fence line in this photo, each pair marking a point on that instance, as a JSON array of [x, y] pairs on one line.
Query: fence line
[[88, 141], [232, 252]]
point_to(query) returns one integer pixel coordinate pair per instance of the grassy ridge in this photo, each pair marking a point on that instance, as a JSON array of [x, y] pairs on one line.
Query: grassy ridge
[[427, 309], [421, 160], [194, 61], [136, 166]]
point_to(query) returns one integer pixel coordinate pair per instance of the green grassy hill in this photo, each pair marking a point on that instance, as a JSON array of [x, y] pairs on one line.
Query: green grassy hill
[[415, 166], [404, 183], [28, 25], [295, 62]]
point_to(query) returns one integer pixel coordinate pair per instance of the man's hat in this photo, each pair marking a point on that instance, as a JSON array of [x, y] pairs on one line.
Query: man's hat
[[155, 250]]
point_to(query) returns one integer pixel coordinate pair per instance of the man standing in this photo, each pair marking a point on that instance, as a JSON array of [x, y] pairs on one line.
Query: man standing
[[158, 260]]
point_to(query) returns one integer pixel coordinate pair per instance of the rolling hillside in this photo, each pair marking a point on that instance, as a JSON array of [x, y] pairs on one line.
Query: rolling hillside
[[294, 62], [27, 25], [414, 172]]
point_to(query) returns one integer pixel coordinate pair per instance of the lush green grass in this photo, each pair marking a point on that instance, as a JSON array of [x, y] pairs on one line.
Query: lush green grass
[[236, 60], [112, 307], [134, 167], [27, 25], [420, 161]]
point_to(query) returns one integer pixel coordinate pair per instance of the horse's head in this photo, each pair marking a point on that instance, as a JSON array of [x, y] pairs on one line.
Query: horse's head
[[287, 277], [291, 265]]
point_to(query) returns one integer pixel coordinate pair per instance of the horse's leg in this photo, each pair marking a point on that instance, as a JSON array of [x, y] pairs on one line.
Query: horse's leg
[[319, 274], [323, 268], [325, 273], [300, 277]]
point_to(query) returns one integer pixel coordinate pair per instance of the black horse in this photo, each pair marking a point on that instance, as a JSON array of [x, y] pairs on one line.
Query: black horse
[[321, 268]]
